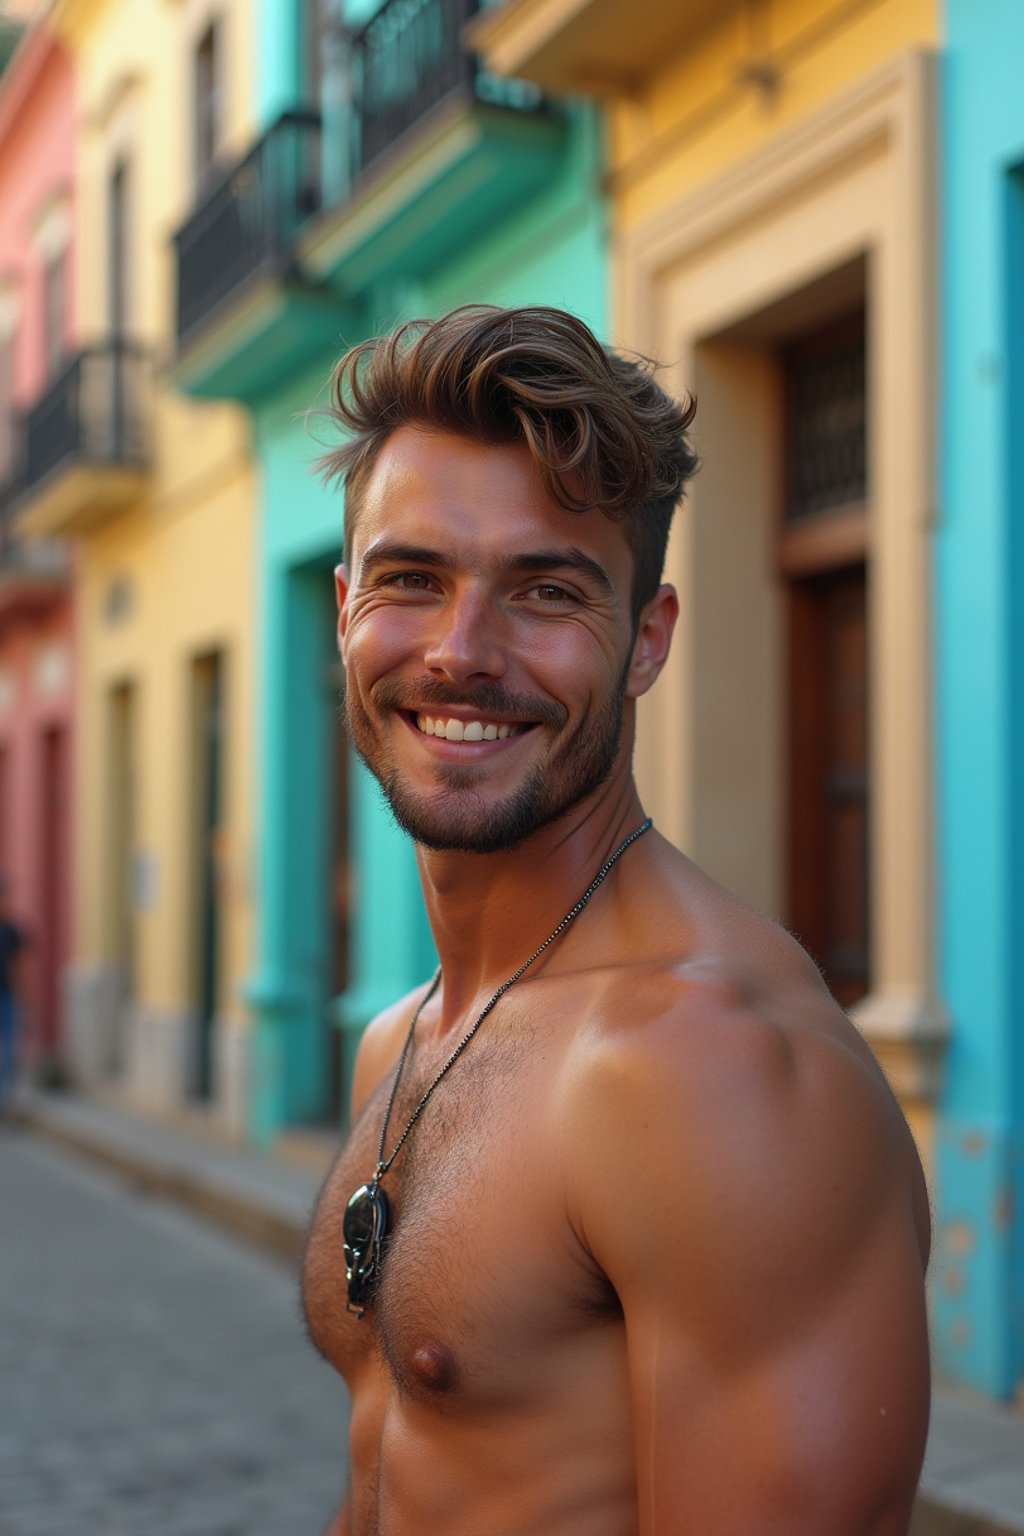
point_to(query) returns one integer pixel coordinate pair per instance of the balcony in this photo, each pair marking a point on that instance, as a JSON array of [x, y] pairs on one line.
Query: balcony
[[429, 153], [405, 60], [590, 47], [83, 449], [248, 222], [33, 574]]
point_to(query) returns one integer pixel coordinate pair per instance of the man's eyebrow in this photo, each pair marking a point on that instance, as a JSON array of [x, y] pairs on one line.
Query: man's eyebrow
[[536, 560], [570, 559], [388, 552]]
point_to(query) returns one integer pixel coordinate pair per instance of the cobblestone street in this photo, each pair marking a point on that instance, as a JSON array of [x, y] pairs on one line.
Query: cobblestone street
[[155, 1379]]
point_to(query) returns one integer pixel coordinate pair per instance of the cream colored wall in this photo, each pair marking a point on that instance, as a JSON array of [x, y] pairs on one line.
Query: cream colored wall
[[190, 582], [185, 551], [713, 263]]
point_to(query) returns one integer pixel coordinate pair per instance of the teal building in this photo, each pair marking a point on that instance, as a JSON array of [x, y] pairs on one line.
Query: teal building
[[392, 177], [979, 1269]]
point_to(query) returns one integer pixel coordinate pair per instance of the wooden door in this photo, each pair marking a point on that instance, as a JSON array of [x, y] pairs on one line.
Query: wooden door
[[829, 778], [825, 568]]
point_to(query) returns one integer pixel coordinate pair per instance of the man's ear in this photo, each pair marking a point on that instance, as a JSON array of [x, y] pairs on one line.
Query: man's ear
[[653, 638], [341, 593]]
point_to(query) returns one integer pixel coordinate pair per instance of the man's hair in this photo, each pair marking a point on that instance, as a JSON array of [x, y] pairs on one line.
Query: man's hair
[[601, 432]]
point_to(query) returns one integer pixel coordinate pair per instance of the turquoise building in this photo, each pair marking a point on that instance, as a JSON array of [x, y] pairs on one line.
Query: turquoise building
[[979, 1272], [391, 178]]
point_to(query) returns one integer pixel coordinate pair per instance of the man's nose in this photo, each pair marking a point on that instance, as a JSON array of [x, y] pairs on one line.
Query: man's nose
[[467, 640]]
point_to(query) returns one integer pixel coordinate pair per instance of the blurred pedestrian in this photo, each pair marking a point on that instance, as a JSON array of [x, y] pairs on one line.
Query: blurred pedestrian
[[12, 942]]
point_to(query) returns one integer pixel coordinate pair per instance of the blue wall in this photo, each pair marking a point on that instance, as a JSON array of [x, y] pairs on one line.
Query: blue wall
[[979, 1280]]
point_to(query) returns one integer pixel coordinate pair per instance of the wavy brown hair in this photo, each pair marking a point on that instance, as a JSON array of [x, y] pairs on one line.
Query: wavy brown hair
[[602, 433]]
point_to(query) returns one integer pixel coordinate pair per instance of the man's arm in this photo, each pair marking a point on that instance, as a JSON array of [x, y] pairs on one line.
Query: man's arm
[[748, 1192]]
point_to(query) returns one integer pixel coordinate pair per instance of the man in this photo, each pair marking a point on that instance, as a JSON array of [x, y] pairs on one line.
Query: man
[[629, 1238]]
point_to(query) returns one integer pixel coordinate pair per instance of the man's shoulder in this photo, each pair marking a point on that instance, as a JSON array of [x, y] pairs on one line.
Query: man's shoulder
[[749, 1117]]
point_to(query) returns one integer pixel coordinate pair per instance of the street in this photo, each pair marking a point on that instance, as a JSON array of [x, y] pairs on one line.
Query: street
[[155, 1377]]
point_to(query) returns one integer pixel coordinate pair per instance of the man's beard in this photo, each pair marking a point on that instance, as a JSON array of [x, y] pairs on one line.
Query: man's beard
[[455, 818]]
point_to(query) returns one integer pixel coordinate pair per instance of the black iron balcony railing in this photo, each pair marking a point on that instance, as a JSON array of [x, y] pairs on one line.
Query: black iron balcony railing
[[407, 59], [250, 219], [93, 413]]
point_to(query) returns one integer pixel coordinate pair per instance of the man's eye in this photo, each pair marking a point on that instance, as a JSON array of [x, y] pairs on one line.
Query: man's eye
[[550, 592], [408, 581]]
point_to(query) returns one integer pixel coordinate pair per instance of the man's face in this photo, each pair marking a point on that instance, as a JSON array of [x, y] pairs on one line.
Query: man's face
[[487, 641]]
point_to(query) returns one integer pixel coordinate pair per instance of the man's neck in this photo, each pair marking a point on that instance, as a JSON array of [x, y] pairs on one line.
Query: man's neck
[[490, 912]]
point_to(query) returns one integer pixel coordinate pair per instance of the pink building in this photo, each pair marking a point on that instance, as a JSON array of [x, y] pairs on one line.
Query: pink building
[[36, 621]]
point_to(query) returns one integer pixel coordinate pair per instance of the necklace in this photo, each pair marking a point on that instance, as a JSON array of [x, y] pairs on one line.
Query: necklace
[[365, 1224]]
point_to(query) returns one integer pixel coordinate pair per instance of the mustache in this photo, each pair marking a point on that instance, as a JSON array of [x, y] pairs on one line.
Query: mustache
[[488, 699]]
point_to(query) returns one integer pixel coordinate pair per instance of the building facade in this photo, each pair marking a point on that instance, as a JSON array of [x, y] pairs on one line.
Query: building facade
[[155, 494], [773, 178], [979, 1300], [392, 178], [37, 649]]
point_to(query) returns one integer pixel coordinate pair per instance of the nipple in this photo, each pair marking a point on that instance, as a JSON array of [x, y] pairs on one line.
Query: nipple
[[435, 1367]]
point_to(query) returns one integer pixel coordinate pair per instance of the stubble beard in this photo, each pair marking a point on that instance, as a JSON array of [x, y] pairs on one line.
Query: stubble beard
[[455, 818]]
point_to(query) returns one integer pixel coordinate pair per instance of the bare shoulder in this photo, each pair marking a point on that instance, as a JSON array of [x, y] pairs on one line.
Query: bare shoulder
[[380, 1045], [738, 1113]]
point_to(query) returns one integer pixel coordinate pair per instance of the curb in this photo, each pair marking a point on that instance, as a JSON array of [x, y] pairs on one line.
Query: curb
[[276, 1234]]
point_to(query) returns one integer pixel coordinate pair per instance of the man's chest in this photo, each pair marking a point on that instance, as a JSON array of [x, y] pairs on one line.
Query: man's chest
[[480, 1274]]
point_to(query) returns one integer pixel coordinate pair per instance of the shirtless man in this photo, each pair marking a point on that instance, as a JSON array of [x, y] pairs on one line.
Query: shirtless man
[[652, 1262]]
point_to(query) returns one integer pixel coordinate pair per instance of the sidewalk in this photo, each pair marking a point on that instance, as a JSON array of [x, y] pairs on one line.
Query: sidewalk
[[973, 1483]]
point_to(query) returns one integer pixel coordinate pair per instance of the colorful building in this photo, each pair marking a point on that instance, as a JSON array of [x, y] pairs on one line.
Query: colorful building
[[392, 177], [155, 493], [37, 327], [979, 1301], [772, 170]]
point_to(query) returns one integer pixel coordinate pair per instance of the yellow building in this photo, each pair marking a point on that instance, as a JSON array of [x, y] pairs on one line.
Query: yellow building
[[155, 491], [771, 171]]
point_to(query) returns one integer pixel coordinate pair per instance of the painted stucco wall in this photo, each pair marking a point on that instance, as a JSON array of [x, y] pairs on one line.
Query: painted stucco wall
[[168, 579], [37, 116], [37, 631], [727, 235], [979, 1332], [704, 110]]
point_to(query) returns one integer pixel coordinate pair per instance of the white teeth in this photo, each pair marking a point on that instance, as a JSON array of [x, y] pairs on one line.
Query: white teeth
[[462, 730]]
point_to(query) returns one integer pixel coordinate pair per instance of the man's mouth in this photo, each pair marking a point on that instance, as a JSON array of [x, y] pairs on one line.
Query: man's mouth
[[465, 730]]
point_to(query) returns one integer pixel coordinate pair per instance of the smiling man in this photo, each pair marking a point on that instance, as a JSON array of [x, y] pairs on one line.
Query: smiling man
[[629, 1238]]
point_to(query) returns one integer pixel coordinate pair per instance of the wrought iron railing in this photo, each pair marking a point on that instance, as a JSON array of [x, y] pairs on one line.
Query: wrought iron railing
[[388, 75], [828, 419], [405, 60], [94, 412], [250, 218]]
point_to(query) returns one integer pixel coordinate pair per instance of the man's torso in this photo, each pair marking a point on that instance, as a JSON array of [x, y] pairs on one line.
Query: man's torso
[[489, 1381]]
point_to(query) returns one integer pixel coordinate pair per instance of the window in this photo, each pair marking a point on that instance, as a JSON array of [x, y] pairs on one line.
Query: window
[[206, 102], [6, 407], [827, 447], [117, 250], [54, 269]]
